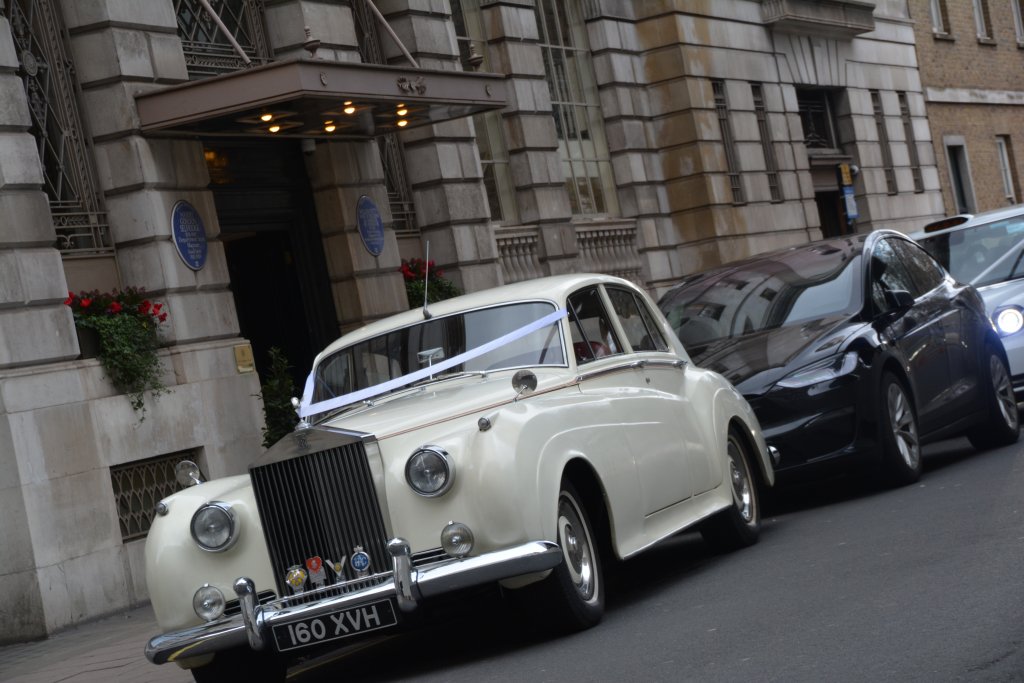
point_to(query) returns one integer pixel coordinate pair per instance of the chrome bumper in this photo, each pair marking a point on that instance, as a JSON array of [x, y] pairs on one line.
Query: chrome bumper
[[406, 588]]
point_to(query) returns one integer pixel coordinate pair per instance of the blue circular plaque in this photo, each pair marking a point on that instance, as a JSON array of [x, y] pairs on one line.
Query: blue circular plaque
[[189, 234], [371, 227]]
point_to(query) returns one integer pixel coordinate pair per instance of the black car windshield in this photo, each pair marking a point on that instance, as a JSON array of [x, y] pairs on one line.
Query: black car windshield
[[400, 352], [981, 255], [781, 289]]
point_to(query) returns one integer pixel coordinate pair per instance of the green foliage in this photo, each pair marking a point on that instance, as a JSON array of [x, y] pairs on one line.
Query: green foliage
[[126, 323], [278, 389], [439, 288]]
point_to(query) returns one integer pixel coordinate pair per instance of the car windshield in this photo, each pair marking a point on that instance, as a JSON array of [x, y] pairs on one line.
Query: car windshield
[[981, 255], [400, 352], [783, 289]]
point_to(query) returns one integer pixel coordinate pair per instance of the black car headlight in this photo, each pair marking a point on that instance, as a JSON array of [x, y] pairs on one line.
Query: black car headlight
[[1009, 320], [215, 526], [430, 471], [822, 371]]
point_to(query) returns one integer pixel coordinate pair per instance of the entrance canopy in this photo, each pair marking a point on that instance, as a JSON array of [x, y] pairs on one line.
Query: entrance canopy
[[315, 98]]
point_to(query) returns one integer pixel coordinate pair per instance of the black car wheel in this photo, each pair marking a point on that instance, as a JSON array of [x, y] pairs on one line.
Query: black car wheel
[[738, 525], [1002, 426], [901, 447]]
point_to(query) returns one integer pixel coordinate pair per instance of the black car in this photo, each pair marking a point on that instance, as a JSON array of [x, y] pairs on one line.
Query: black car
[[851, 351]]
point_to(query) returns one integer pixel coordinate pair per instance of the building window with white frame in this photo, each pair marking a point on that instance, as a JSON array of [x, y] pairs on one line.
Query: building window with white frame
[[1018, 19], [576, 108], [982, 19], [1007, 169], [940, 16], [490, 139]]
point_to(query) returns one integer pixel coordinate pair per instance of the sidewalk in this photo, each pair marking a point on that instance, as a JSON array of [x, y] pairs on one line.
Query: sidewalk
[[105, 651]]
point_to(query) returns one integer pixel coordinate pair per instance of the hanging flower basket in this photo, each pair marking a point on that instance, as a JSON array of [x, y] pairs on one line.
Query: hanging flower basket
[[120, 328]]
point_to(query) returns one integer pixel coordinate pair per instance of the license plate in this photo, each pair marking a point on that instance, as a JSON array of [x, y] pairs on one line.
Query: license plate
[[334, 625]]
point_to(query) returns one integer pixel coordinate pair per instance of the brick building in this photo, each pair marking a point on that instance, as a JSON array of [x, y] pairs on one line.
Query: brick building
[[518, 137], [972, 72]]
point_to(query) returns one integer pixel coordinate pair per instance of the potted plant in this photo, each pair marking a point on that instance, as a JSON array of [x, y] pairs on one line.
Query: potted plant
[[125, 324], [418, 274]]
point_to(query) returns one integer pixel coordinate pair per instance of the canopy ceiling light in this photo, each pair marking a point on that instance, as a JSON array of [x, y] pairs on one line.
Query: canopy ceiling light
[[361, 100]]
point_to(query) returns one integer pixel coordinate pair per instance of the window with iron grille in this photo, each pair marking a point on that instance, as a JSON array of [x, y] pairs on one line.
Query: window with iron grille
[[56, 124], [392, 154], [815, 105], [883, 142], [576, 107], [139, 486], [490, 139], [767, 143], [208, 52], [908, 132], [728, 142]]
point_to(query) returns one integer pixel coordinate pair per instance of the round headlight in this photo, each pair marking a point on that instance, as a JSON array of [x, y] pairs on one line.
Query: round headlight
[[208, 602], [215, 526], [430, 471], [1009, 320]]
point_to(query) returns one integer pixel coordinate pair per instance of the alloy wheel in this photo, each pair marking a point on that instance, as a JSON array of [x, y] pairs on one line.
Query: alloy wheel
[[1004, 391], [904, 427]]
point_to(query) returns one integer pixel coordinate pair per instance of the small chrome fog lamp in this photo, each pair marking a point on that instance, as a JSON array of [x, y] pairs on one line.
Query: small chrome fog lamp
[[457, 539], [430, 471], [208, 602], [215, 526]]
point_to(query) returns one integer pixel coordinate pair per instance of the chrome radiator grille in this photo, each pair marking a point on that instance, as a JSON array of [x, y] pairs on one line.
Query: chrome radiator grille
[[322, 504]]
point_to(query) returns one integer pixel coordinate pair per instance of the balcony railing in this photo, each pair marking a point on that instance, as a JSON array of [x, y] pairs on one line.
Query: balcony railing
[[602, 248]]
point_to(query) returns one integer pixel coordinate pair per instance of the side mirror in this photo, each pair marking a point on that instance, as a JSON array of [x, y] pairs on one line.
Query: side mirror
[[899, 299]]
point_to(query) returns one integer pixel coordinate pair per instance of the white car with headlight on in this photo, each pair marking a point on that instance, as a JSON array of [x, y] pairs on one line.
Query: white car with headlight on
[[521, 435], [987, 250]]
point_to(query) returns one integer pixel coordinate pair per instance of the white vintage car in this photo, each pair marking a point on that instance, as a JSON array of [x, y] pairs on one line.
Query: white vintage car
[[523, 435]]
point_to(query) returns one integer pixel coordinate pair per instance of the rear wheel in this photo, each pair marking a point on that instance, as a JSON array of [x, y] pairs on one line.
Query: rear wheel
[[738, 525], [242, 664], [901, 448], [1002, 426]]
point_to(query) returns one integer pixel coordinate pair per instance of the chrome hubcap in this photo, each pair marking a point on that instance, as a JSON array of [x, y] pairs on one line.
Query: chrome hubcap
[[1004, 391], [576, 548], [901, 417], [742, 495]]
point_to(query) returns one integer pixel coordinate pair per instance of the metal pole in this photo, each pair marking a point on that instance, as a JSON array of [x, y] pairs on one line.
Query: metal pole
[[391, 32], [226, 32]]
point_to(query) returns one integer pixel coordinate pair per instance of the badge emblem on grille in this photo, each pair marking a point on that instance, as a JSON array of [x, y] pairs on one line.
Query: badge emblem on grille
[[317, 573], [296, 579], [338, 568], [360, 561]]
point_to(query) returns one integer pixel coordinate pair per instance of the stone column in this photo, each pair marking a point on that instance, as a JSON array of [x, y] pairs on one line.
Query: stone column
[[364, 287], [532, 142], [35, 328], [442, 160]]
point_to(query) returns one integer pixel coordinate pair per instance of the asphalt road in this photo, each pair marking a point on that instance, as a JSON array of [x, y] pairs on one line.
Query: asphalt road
[[923, 583]]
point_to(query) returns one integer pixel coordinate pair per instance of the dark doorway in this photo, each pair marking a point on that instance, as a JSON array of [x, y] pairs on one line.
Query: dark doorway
[[831, 214], [274, 251]]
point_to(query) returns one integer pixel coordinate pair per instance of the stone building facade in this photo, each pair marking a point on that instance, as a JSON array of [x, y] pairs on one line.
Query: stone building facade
[[972, 72], [645, 139]]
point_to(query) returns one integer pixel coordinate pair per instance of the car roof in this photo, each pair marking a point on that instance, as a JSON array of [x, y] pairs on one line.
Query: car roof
[[554, 289], [864, 239], [972, 220]]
